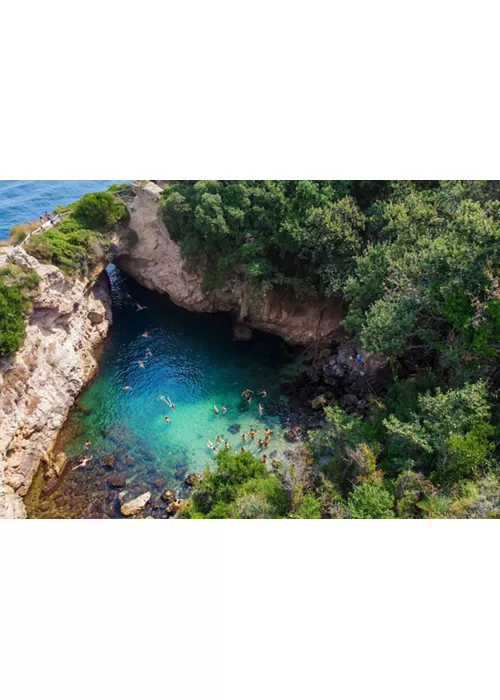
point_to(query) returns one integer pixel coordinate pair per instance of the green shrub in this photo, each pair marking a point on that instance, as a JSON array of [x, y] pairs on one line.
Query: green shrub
[[11, 319], [239, 487], [99, 211], [76, 252], [371, 502]]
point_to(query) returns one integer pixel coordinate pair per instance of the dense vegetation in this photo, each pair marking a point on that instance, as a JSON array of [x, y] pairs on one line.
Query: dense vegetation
[[76, 244], [17, 287], [80, 240], [419, 264]]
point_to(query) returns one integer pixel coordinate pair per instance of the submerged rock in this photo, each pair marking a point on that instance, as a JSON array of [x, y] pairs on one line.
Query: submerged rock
[[242, 333], [137, 505], [192, 480], [168, 496], [117, 481], [109, 461], [234, 429]]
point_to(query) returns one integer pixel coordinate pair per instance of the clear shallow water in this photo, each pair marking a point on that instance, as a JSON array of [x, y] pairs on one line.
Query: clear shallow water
[[196, 364], [22, 201]]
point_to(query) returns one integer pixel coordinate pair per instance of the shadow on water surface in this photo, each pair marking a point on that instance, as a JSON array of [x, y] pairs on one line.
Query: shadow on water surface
[[164, 353]]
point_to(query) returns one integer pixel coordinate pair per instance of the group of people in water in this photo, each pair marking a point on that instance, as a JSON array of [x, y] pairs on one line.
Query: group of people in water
[[220, 443]]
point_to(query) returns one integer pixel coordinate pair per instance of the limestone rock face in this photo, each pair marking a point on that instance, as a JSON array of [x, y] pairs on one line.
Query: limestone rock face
[[38, 385], [137, 505], [155, 261]]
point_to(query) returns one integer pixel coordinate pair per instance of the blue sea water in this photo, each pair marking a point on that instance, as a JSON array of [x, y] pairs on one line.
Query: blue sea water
[[22, 201]]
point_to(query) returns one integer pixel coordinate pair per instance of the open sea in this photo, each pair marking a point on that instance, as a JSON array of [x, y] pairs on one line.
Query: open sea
[[26, 200]]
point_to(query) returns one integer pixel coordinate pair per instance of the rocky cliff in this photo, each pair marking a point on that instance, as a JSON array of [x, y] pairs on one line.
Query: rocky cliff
[[155, 261], [39, 384]]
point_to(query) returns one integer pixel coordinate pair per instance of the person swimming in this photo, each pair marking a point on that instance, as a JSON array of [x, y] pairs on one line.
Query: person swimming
[[87, 444], [141, 364], [170, 403], [274, 464], [167, 419], [264, 393], [127, 388], [246, 393], [261, 443], [145, 335], [140, 308], [218, 439], [210, 445], [243, 448], [261, 409], [268, 433], [216, 410], [149, 353], [84, 462], [264, 459], [249, 400], [252, 433], [243, 437], [224, 409], [226, 445]]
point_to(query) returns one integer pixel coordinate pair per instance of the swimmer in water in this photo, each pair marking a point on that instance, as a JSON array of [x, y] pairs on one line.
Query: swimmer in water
[[246, 393], [139, 307], [167, 419], [149, 353], [218, 440], [264, 459], [264, 393], [268, 434], [226, 445], [127, 388], [252, 433], [83, 463], [210, 445], [243, 437], [261, 443], [249, 400], [274, 464], [261, 409], [145, 335], [87, 444], [243, 449], [216, 410], [141, 364], [224, 409]]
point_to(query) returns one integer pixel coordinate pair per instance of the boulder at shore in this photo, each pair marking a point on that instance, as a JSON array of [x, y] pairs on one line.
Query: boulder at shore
[[137, 505]]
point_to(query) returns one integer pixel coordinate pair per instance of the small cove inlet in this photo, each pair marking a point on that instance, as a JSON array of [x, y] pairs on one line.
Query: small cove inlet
[[163, 353]]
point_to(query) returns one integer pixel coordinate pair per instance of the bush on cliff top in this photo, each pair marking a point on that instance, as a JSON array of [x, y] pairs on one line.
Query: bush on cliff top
[[99, 211], [79, 242]]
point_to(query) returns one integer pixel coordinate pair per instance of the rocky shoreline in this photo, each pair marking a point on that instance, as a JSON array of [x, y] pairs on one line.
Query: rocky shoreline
[[68, 321]]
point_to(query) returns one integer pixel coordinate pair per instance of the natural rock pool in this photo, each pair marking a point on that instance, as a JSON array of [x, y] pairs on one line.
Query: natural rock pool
[[187, 358]]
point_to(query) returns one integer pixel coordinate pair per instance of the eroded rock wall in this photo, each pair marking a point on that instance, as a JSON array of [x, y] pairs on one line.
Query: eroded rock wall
[[39, 384], [155, 261]]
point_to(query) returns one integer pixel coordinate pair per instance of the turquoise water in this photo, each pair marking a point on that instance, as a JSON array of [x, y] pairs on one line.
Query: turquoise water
[[22, 201], [195, 363]]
